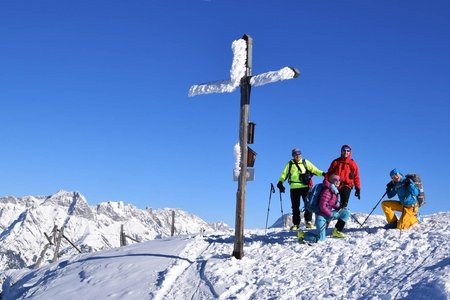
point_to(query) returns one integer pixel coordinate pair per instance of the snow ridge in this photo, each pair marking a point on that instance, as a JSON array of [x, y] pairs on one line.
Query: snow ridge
[[91, 228]]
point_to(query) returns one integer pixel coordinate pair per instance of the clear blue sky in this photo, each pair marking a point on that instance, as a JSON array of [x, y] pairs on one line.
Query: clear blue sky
[[93, 98]]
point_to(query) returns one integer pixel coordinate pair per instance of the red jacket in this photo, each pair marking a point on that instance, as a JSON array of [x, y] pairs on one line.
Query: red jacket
[[347, 169]]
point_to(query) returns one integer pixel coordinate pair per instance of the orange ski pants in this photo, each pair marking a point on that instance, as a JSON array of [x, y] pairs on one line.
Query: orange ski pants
[[408, 217]]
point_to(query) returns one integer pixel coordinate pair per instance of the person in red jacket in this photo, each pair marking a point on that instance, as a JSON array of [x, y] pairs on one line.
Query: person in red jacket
[[347, 169]]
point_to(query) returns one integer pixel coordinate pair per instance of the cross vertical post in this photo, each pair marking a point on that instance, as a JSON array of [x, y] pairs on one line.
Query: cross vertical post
[[245, 86]]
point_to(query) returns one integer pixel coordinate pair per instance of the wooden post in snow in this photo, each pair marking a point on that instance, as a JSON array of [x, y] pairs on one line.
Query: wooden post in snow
[[58, 244], [172, 231], [123, 240], [238, 251]]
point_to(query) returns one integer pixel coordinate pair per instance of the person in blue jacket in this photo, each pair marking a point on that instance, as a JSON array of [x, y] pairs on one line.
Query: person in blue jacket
[[407, 193]]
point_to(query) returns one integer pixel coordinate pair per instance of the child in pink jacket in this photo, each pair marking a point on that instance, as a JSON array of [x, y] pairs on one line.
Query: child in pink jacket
[[328, 211]]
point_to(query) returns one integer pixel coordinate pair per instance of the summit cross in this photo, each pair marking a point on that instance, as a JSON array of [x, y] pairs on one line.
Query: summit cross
[[241, 75]]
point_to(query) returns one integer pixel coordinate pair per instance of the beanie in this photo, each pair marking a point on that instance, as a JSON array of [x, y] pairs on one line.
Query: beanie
[[394, 171], [296, 151], [344, 147], [334, 178]]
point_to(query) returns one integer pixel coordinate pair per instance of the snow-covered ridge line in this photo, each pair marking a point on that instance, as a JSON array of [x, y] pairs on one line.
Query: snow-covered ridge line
[[25, 221]]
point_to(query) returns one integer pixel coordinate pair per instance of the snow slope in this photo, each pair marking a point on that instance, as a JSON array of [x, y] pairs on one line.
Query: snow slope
[[25, 221], [371, 263]]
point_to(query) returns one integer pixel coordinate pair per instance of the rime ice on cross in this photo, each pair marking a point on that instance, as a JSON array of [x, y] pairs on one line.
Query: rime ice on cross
[[238, 71], [241, 75]]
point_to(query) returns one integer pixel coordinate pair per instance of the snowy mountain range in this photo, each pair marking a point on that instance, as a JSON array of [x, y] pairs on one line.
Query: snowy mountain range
[[371, 263], [27, 224]]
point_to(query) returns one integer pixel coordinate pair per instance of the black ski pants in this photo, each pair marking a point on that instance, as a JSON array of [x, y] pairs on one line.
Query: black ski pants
[[344, 193], [295, 201]]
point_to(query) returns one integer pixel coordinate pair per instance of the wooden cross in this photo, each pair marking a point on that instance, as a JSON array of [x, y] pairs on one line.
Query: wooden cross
[[241, 75]]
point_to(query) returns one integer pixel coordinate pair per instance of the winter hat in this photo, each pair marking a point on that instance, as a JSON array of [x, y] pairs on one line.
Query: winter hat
[[345, 147], [395, 171], [296, 151], [334, 178]]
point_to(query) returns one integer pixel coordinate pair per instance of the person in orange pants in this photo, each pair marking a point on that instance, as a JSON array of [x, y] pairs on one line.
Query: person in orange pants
[[407, 193]]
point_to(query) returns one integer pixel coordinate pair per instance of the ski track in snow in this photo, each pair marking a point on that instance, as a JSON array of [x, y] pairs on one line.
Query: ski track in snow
[[275, 266], [186, 273]]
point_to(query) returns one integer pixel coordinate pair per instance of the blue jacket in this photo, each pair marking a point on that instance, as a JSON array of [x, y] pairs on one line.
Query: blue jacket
[[406, 194]]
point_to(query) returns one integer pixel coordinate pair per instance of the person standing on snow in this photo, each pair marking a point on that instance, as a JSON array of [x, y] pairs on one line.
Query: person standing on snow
[[347, 169], [328, 211], [407, 193], [298, 172]]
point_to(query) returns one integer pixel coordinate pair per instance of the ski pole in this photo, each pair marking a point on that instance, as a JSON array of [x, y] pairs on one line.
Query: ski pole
[[374, 208], [356, 220], [359, 223], [272, 191], [281, 205]]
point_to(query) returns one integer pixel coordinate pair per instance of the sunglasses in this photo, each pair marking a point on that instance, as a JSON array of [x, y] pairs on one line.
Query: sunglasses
[[346, 150]]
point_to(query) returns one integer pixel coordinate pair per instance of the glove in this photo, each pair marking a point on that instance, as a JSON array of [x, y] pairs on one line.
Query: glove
[[407, 182], [357, 194], [324, 173], [390, 186], [280, 187]]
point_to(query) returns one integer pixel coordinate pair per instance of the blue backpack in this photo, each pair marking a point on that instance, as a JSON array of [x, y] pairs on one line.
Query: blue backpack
[[312, 200]]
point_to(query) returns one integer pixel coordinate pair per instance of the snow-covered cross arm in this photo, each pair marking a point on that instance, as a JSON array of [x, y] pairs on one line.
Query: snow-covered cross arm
[[274, 76], [238, 68]]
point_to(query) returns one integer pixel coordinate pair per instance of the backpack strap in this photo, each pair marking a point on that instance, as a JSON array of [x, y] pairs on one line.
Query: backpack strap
[[291, 162], [304, 164], [289, 172], [299, 170]]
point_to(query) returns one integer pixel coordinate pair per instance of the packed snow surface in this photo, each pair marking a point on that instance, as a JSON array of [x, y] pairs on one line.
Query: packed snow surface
[[371, 263]]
